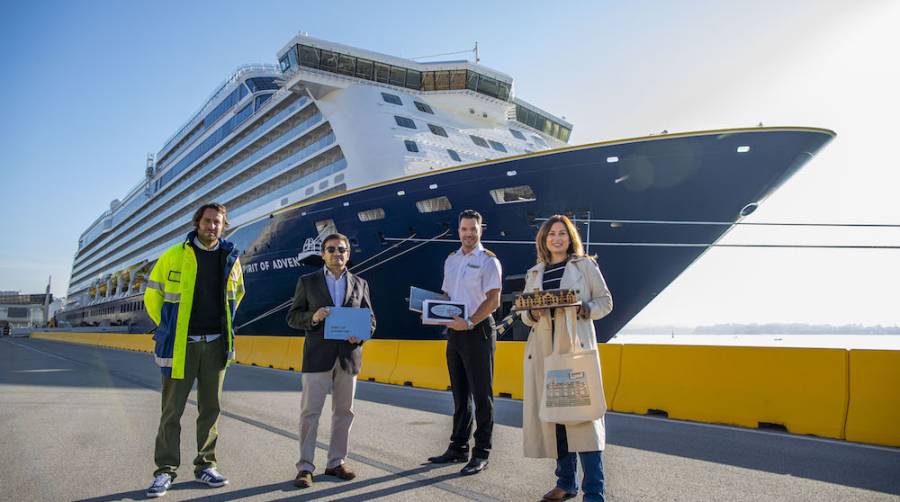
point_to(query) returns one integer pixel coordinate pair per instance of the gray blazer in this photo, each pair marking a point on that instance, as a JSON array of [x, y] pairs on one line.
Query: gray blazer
[[312, 293]]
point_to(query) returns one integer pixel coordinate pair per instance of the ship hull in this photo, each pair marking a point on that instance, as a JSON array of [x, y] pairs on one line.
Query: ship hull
[[688, 177]]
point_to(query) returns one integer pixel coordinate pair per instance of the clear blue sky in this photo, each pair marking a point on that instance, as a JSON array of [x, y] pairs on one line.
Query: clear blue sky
[[91, 87]]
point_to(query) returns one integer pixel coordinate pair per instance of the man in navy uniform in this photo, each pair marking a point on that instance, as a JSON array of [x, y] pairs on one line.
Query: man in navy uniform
[[472, 275]]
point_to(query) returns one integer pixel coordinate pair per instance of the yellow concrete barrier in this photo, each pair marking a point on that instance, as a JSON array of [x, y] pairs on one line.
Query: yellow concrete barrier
[[379, 358], [508, 361], [805, 390], [293, 358], [243, 349], [266, 351], [422, 363], [874, 412], [611, 367]]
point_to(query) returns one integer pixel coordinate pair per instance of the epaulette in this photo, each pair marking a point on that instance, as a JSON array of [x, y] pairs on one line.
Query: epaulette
[[490, 253]]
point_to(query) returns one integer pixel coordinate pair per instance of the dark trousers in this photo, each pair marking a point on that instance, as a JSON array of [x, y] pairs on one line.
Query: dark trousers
[[204, 362], [470, 359]]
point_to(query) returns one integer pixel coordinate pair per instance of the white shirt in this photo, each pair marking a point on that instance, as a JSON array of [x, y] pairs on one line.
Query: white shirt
[[467, 277], [337, 286]]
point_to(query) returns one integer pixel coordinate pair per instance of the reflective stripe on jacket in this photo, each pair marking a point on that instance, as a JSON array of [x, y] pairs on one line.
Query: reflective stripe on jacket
[[170, 293]]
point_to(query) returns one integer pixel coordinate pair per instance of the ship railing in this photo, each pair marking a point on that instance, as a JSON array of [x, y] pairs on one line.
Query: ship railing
[[235, 75]]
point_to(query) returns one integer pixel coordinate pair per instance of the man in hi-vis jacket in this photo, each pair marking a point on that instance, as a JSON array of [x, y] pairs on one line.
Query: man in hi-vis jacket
[[192, 295]]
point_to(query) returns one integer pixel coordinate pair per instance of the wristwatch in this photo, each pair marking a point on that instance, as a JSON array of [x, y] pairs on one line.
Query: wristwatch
[[469, 323]]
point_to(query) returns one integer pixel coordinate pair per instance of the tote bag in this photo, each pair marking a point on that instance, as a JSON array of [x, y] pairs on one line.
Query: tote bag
[[573, 384]]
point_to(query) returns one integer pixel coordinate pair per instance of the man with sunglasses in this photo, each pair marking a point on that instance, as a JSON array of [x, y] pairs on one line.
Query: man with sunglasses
[[328, 365]]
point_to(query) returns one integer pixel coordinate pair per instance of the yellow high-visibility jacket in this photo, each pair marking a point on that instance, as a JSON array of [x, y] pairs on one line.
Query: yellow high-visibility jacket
[[170, 293]]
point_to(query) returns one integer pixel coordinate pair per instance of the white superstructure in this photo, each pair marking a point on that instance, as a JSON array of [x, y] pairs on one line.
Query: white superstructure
[[328, 118]]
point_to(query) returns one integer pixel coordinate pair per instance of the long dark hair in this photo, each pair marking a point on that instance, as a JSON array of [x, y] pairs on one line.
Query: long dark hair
[[575, 246]]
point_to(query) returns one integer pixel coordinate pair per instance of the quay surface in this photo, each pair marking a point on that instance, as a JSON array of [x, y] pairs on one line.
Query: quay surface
[[78, 422]]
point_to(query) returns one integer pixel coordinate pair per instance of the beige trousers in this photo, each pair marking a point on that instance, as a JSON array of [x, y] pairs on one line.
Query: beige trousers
[[342, 385]]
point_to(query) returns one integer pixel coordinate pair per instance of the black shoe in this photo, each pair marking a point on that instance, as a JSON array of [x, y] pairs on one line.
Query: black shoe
[[450, 456], [474, 466]]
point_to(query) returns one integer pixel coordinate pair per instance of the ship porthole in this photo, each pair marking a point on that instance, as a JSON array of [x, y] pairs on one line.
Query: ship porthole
[[748, 209]]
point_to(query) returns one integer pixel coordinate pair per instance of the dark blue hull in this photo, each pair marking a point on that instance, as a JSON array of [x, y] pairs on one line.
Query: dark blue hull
[[694, 177]]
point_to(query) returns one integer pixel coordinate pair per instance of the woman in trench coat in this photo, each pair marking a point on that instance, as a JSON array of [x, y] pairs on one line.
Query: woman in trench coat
[[561, 256]]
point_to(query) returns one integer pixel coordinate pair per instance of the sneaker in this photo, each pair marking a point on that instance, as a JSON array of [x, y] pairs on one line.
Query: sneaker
[[211, 477], [160, 485]]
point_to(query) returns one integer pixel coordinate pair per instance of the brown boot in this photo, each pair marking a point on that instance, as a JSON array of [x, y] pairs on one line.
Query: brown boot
[[304, 479]]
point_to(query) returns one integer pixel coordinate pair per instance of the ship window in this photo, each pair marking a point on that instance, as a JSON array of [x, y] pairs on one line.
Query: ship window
[[517, 134], [364, 69], [261, 99], [411, 146], [438, 130], [371, 215], [487, 85], [564, 133], [324, 225], [323, 184], [391, 98], [404, 122], [539, 141], [522, 193], [382, 73], [472, 81], [339, 178], [309, 190], [262, 84], [328, 61], [423, 107], [441, 80], [284, 63], [428, 81], [458, 79], [413, 79], [478, 140], [453, 155], [347, 65], [434, 205], [398, 76], [309, 56], [497, 146]]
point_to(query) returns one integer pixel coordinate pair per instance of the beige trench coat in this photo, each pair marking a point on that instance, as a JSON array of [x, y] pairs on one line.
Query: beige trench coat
[[582, 275]]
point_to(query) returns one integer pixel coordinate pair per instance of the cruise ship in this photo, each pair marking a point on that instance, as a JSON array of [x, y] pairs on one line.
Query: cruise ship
[[388, 151]]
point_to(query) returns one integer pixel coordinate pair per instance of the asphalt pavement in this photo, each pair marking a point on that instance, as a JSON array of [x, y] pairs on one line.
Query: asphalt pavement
[[78, 423]]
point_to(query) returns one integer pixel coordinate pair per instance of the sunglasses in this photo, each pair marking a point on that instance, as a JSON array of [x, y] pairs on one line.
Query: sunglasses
[[339, 249]]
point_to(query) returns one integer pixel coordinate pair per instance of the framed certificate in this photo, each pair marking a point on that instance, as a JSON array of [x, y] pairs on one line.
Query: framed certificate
[[417, 296], [344, 322], [442, 311]]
